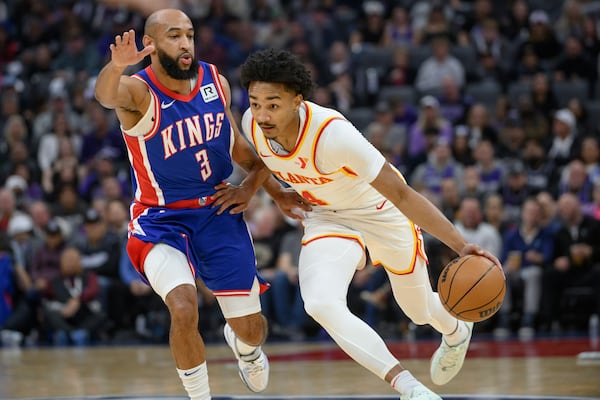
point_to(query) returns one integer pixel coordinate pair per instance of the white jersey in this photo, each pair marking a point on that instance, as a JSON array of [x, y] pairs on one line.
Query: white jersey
[[332, 163]]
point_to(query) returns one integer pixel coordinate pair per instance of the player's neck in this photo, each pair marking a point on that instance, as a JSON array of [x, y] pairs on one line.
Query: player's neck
[[289, 139], [180, 86]]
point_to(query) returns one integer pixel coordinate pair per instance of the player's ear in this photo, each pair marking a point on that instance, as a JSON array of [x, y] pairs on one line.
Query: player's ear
[[148, 40], [298, 100]]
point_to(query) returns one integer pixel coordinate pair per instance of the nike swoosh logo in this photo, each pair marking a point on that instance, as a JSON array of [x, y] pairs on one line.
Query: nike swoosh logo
[[164, 105], [379, 207], [191, 373]]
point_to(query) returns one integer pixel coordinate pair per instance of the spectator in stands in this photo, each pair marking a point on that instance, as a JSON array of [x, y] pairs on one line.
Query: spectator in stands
[[50, 143], [398, 31], [400, 72], [439, 165], [454, 103], [527, 65], [574, 64], [541, 37], [571, 20], [527, 251], [514, 189], [472, 183], [69, 208], [575, 262], [57, 102], [100, 251], [541, 173], [441, 64], [543, 97], [491, 170], [564, 142], [101, 134], [479, 125], [437, 24], [372, 24], [534, 122], [77, 56], [430, 126], [14, 131], [488, 43], [493, 213], [461, 151], [590, 39], [471, 225], [117, 217], [72, 312], [550, 220], [41, 215], [288, 306], [64, 169], [449, 197], [105, 165], [8, 209], [574, 179]]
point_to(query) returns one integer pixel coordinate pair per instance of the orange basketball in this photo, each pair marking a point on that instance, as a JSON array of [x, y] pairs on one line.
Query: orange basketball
[[471, 288]]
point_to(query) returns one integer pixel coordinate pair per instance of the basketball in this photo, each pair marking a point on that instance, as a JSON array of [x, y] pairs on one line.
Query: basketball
[[471, 288]]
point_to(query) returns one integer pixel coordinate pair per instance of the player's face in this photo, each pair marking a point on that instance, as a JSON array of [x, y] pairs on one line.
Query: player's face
[[274, 108], [175, 51]]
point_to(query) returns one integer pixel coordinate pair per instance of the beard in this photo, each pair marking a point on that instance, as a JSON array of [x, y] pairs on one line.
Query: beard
[[173, 70]]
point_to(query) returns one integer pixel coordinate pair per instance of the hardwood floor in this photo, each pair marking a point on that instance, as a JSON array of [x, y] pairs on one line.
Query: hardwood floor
[[537, 368]]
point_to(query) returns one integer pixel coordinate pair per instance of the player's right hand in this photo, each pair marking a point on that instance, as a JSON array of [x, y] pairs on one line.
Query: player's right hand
[[124, 51]]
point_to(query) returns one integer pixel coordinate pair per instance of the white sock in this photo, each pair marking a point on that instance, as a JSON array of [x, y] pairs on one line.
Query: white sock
[[404, 382], [195, 382], [458, 336], [243, 348]]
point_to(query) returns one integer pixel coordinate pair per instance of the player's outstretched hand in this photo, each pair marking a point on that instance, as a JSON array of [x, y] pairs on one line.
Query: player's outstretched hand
[[124, 50], [292, 204], [471, 248]]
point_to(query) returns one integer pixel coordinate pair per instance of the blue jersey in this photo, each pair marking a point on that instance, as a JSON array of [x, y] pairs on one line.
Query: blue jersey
[[179, 151], [187, 150]]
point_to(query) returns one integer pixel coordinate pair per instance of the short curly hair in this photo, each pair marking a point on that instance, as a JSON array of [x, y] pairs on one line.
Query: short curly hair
[[277, 66]]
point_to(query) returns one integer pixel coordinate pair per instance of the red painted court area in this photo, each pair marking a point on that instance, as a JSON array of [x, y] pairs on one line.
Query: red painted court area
[[488, 348]]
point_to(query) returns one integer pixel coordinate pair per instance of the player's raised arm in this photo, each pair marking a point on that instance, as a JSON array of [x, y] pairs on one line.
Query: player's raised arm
[[114, 90]]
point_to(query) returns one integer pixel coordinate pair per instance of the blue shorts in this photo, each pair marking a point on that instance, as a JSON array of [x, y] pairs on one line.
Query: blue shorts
[[218, 247]]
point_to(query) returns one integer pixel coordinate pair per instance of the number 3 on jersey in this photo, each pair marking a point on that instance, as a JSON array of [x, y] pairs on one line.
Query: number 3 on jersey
[[312, 199], [202, 158]]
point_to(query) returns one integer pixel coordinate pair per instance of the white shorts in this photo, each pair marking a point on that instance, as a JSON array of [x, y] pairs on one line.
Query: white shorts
[[392, 240]]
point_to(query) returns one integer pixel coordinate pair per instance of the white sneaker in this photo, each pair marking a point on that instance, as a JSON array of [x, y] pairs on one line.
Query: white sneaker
[[253, 368], [420, 393], [448, 360]]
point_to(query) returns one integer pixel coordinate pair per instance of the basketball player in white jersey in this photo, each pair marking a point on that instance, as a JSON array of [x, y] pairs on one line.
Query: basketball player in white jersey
[[359, 201]]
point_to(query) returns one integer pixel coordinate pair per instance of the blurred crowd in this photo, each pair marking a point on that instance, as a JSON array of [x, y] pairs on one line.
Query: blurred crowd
[[489, 108]]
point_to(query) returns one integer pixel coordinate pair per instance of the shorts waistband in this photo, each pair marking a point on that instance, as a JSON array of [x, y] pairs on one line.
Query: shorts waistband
[[189, 203]]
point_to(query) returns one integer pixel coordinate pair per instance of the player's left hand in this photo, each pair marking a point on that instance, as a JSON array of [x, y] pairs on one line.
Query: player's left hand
[[228, 195], [292, 204], [471, 248]]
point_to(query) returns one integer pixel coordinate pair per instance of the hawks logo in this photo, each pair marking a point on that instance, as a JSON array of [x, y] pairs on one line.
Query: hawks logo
[[302, 162]]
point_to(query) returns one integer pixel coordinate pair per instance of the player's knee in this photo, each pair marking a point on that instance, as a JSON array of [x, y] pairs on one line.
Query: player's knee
[[183, 306], [419, 314], [320, 309]]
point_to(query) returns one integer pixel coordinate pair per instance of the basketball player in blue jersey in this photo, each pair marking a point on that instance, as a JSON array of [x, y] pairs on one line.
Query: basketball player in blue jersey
[[181, 140], [360, 201]]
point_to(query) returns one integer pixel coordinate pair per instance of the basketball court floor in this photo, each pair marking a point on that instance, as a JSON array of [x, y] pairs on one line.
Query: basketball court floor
[[565, 368]]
